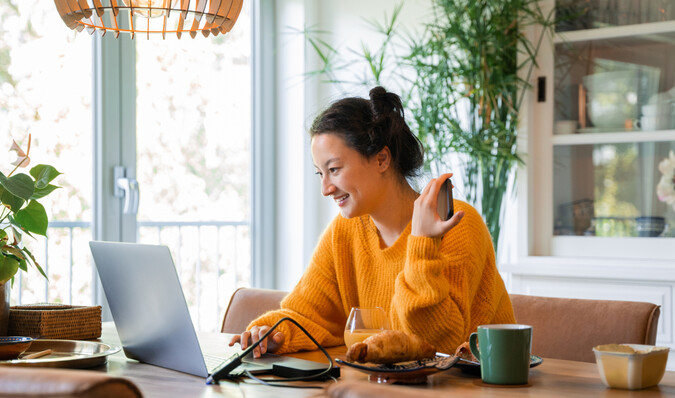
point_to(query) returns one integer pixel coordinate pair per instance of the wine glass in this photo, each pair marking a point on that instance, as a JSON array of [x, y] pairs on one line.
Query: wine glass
[[363, 323]]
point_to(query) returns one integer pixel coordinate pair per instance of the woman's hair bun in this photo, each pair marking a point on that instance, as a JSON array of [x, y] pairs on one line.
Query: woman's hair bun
[[384, 103], [377, 93]]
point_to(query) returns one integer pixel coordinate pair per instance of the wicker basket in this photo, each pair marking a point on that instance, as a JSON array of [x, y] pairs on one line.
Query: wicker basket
[[55, 321]]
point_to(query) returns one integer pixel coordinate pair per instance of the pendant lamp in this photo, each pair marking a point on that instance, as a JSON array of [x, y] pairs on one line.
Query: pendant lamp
[[150, 16]]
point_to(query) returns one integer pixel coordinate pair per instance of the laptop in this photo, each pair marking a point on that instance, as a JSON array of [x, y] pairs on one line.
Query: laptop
[[150, 312]]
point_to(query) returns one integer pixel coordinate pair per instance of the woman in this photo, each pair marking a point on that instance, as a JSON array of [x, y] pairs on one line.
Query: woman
[[388, 247]]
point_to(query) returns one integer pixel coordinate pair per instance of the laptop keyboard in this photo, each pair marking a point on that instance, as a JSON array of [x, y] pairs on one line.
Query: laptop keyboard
[[213, 361], [262, 366]]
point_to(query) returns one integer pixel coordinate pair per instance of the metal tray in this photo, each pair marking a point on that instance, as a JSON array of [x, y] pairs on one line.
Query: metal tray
[[76, 354]]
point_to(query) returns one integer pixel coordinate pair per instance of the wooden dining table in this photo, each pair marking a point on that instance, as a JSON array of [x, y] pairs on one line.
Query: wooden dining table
[[552, 378]]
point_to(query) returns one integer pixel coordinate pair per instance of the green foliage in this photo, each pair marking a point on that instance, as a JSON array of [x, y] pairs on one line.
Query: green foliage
[[473, 65], [463, 82], [21, 214]]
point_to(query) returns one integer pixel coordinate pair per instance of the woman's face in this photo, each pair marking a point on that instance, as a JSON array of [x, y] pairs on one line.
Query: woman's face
[[347, 176]]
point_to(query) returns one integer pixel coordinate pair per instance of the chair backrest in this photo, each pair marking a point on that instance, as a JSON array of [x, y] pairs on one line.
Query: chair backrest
[[247, 304], [570, 328]]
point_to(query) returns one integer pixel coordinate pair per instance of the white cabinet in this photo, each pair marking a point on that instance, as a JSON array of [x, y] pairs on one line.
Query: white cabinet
[[591, 223]]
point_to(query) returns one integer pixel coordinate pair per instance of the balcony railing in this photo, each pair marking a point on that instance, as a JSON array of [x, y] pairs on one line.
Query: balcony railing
[[212, 259]]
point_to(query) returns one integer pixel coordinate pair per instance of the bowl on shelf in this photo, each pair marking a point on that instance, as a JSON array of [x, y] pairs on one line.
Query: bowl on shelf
[[650, 226], [616, 92], [631, 366], [566, 127], [13, 346], [612, 98]]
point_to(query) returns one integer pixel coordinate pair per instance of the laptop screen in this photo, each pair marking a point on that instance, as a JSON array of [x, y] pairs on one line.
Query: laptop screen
[[148, 306]]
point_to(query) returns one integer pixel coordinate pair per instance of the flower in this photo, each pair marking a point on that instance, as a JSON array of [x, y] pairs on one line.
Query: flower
[[20, 213], [666, 186], [22, 159]]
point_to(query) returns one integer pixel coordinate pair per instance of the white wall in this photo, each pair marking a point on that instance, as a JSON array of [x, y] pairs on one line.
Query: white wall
[[302, 213]]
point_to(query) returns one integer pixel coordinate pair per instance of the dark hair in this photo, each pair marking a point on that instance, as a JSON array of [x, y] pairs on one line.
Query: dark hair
[[367, 126]]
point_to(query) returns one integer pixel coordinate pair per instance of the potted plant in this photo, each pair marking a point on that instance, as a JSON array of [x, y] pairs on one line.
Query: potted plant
[[463, 81], [21, 214]]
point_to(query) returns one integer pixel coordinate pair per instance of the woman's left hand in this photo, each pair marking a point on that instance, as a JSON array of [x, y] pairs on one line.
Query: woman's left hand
[[425, 219]]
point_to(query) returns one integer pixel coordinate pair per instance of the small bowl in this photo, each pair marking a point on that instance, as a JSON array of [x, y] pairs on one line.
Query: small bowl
[[631, 366], [565, 127], [13, 346], [650, 226]]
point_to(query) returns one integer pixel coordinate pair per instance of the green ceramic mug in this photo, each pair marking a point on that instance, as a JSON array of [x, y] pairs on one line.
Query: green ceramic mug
[[503, 352]]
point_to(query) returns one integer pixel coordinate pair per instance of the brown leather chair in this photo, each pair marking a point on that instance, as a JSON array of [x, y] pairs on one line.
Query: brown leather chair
[[247, 304], [570, 328], [17, 382]]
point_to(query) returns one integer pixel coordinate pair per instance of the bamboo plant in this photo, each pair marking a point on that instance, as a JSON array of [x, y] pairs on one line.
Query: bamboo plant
[[463, 82]]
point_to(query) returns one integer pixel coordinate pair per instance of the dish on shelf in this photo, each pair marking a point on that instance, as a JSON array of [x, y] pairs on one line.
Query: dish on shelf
[[563, 127], [410, 372], [616, 92], [473, 368], [76, 354]]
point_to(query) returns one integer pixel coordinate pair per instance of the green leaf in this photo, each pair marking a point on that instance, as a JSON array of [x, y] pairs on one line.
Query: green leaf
[[3, 236], [18, 236], [42, 192], [8, 267], [20, 185], [14, 251], [23, 265], [12, 201], [35, 263], [33, 218], [43, 175]]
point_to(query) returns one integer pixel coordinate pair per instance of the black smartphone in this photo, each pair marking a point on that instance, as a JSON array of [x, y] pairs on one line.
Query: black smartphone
[[445, 205]]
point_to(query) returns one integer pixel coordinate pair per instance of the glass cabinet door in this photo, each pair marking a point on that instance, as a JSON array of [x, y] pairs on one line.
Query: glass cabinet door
[[614, 118]]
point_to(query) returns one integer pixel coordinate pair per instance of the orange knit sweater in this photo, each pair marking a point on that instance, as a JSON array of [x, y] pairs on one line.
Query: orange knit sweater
[[440, 290]]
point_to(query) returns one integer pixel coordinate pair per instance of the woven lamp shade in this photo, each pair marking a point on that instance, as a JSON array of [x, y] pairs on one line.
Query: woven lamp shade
[[150, 16]]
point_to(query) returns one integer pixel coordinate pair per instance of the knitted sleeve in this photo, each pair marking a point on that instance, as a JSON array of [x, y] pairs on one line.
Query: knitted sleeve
[[449, 286], [314, 303]]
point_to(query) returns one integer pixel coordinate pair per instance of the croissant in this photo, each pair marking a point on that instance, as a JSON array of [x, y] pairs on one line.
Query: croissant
[[464, 352], [390, 346]]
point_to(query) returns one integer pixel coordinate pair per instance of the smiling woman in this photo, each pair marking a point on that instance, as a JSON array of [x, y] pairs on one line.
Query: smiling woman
[[388, 247]]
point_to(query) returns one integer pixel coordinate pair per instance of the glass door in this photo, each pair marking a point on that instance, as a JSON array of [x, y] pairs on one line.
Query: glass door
[[193, 167], [614, 119]]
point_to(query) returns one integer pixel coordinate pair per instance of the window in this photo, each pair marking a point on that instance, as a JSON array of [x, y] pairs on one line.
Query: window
[[45, 86], [193, 144], [187, 141]]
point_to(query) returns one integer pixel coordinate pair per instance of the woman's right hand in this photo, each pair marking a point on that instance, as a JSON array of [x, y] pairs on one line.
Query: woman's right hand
[[425, 219], [270, 344]]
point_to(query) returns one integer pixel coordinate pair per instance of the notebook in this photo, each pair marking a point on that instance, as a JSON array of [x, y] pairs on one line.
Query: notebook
[[150, 312]]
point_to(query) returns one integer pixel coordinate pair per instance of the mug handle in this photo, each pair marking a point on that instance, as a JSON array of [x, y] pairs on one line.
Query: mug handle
[[472, 345]]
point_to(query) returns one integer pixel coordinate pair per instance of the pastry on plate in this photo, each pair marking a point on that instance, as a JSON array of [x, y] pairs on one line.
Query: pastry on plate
[[390, 346], [464, 352]]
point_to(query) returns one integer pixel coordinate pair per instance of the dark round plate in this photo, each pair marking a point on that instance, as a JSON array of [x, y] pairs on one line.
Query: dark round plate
[[411, 372], [473, 368], [13, 346]]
